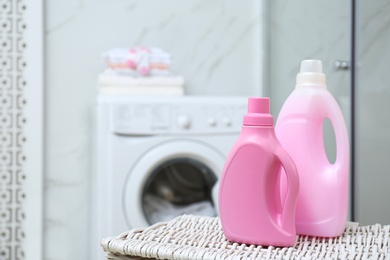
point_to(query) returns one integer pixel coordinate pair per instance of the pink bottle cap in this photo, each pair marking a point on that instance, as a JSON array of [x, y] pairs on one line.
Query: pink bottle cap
[[258, 112]]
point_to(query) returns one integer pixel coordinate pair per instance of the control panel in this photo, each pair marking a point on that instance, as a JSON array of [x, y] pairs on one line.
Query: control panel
[[178, 115]]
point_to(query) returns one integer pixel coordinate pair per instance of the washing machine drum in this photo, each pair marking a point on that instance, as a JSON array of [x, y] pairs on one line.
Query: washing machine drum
[[170, 180], [179, 186]]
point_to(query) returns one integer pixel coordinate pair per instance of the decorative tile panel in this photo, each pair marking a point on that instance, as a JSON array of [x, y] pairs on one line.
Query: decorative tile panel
[[12, 128]]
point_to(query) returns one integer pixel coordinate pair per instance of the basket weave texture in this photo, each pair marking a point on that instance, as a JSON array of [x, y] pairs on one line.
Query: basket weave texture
[[197, 237]]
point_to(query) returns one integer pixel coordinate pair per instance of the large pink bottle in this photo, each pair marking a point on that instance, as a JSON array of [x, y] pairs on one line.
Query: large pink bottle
[[323, 198], [249, 196]]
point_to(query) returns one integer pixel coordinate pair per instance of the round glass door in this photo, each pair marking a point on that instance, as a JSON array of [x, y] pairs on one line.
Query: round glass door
[[169, 180], [178, 186]]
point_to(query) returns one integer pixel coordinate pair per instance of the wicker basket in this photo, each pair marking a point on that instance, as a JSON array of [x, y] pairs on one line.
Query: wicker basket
[[196, 237]]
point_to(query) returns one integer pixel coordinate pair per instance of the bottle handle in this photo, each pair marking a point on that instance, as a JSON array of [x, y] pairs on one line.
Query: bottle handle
[[290, 201], [334, 114]]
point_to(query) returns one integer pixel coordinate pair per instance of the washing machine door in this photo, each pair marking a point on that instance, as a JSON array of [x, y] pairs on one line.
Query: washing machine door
[[171, 179]]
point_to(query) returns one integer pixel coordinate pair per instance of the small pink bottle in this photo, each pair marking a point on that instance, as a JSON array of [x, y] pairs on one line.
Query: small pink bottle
[[250, 207], [323, 197]]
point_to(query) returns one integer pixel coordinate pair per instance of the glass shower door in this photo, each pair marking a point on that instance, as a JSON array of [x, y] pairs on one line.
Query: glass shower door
[[306, 29], [372, 112]]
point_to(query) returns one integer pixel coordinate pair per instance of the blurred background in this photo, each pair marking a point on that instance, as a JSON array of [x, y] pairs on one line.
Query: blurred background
[[50, 63]]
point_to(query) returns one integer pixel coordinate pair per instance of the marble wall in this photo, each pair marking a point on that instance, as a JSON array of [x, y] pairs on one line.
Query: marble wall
[[217, 48]]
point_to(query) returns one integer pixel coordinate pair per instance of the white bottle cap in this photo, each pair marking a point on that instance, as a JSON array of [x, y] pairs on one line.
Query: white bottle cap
[[311, 72]]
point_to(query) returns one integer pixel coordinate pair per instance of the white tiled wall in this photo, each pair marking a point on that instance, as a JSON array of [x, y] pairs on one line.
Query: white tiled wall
[[216, 45]]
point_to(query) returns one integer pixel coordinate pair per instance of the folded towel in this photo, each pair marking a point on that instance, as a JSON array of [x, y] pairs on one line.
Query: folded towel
[[107, 79], [110, 83], [138, 61]]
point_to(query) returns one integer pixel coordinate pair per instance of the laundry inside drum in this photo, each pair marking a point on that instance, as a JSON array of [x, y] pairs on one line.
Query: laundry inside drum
[[176, 187]]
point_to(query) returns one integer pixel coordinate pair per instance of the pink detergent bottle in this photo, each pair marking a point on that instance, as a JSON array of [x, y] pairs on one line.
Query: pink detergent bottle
[[249, 195], [323, 197]]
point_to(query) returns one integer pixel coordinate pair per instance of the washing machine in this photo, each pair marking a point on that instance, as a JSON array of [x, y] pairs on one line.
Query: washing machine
[[159, 157]]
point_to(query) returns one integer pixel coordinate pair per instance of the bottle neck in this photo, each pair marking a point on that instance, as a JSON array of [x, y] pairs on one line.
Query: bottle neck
[[311, 78], [311, 85], [267, 130]]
